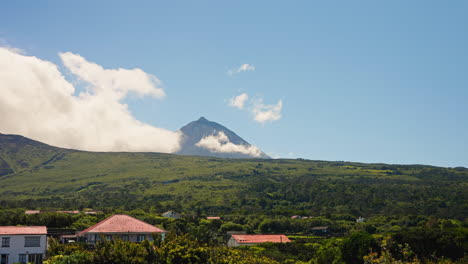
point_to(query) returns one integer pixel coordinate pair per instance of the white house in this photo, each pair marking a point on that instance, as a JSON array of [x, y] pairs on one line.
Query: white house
[[171, 214], [22, 244], [122, 227]]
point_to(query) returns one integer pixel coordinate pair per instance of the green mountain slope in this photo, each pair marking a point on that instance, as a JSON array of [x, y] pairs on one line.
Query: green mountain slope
[[18, 153], [62, 178]]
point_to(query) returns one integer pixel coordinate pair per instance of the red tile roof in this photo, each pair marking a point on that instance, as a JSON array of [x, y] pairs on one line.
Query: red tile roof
[[255, 239], [32, 212], [23, 230], [213, 217], [122, 224]]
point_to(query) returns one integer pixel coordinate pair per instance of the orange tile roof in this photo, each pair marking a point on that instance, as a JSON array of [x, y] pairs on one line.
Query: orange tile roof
[[32, 212], [23, 230], [122, 224], [255, 239], [213, 217]]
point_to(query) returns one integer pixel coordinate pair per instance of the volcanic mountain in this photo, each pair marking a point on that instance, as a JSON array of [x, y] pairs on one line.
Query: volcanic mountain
[[207, 138]]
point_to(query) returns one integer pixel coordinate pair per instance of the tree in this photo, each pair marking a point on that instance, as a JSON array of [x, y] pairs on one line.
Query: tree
[[356, 246]]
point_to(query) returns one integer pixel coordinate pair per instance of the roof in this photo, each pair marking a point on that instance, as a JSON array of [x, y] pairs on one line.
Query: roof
[[32, 212], [68, 236], [319, 227], [213, 217], [23, 230], [256, 239], [122, 224], [68, 212]]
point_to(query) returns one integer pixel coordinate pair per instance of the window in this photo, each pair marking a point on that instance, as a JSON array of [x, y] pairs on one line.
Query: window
[[35, 258], [141, 238], [5, 242], [22, 258], [124, 237], [32, 241], [4, 259], [108, 237]]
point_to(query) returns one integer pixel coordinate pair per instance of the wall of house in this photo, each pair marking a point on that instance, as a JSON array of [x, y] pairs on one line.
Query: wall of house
[[132, 237], [233, 243], [17, 247]]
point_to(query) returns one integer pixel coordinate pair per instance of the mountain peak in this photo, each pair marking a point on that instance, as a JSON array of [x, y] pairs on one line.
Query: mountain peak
[[208, 138]]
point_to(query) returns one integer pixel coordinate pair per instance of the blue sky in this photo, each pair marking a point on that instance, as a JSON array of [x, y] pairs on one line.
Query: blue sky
[[366, 81]]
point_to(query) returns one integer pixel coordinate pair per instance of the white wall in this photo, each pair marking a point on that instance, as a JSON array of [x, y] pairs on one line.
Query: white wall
[[17, 247], [133, 237]]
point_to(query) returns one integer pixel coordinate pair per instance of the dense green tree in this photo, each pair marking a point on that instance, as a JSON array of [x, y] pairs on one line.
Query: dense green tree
[[356, 246]]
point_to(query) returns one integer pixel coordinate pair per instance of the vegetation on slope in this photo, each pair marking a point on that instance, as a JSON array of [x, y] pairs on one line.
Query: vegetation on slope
[[58, 178], [414, 213]]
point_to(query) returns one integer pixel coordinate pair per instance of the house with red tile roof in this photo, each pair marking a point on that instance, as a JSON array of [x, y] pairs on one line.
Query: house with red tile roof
[[22, 244], [248, 240], [122, 227]]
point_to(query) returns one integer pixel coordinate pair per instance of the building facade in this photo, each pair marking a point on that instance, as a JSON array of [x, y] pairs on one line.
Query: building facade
[[22, 244]]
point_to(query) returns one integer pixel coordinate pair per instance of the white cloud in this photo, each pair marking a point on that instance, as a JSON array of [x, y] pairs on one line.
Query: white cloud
[[242, 68], [117, 82], [239, 101], [38, 102], [220, 143], [261, 112], [264, 113]]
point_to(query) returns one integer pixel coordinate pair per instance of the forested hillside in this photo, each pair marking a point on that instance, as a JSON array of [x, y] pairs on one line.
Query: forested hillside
[[38, 175], [412, 212]]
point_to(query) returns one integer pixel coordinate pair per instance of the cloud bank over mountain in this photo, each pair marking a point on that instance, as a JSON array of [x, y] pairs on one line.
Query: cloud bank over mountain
[[220, 143], [38, 102]]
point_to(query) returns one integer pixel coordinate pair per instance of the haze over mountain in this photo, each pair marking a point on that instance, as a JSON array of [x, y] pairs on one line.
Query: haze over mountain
[[207, 138]]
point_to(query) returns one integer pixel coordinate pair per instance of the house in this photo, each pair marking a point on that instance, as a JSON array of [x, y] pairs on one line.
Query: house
[[171, 214], [22, 244], [213, 218], [122, 227], [320, 230], [360, 220], [249, 240]]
